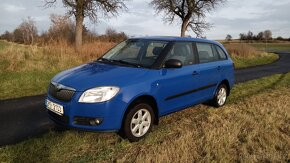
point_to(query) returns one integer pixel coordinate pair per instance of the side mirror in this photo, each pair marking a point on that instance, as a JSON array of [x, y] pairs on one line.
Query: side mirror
[[173, 63]]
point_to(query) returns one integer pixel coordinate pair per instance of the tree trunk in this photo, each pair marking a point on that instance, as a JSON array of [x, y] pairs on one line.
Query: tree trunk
[[32, 38], [183, 29], [79, 32], [184, 26]]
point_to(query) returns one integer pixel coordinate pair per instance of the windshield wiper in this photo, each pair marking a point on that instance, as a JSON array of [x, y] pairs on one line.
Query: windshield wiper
[[120, 61], [105, 59], [127, 63]]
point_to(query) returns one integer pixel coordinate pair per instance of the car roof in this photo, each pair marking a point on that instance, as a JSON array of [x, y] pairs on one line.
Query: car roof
[[174, 38]]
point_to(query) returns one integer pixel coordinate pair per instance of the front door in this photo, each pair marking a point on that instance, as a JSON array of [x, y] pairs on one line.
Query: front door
[[178, 86]]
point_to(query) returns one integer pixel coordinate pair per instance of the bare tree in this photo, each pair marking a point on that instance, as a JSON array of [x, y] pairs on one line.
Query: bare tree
[[243, 37], [229, 37], [260, 36], [7, 36], [268, 34], [88, 8], [62, 28], [26, 32], [250, 36], [191, 13]]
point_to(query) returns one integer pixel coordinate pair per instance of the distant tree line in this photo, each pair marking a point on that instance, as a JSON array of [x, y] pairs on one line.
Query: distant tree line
[[62, 29], [264, 35], [260, 36]]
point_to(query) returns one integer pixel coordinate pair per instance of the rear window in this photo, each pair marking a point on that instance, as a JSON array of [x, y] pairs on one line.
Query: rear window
[[221, 53], [206, 53]]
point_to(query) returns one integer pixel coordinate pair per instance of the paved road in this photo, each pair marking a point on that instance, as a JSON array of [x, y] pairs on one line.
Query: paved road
[[279, 67], [26, 117]]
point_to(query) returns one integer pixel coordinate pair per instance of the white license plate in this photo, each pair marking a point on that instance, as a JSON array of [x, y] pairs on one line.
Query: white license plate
[[56, 108]]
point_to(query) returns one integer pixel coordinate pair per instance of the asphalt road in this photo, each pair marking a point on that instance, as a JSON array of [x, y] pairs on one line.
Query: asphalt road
[[26, 117]]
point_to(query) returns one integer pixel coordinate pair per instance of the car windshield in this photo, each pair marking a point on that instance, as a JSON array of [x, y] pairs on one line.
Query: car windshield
[[135, 52]]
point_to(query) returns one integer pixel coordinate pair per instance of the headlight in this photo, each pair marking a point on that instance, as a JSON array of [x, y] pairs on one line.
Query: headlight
[[99, 94]]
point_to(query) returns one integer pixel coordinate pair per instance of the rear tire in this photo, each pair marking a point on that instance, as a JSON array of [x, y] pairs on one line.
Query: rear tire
[[220, 97], [137, 122]]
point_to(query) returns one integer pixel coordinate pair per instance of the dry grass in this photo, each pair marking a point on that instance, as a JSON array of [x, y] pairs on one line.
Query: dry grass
[[245, 55], [27, 70], [254, 130], [17, 57], [242, 50]]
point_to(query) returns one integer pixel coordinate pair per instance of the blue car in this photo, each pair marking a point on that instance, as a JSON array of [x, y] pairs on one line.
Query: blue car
[[138, 81]]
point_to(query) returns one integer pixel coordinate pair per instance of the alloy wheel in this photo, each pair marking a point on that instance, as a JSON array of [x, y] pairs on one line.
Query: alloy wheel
[[140, 122]]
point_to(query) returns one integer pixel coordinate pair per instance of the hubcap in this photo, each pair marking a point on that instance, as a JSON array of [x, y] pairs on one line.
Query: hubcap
[[222, 96], [140, 122]]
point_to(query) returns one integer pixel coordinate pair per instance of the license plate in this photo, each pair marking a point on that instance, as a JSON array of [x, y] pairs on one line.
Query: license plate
[[54, 107]]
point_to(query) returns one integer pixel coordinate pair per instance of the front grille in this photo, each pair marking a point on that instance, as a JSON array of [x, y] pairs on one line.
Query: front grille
[[82, 121], [62, 94], [57, 118]]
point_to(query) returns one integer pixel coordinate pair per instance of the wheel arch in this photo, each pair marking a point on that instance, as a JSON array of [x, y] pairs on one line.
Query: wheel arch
[[144, 98], [226, 82]]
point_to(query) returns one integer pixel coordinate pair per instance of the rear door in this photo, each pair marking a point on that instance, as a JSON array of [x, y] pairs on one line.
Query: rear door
[[226, 65], [208, 69]]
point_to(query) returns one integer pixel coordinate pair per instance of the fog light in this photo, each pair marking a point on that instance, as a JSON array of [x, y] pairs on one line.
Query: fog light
[[95, 122], [87, 121]]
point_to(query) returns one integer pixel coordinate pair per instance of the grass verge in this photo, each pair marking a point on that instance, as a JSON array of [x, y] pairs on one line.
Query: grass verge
[[254, 126], [259, 59], [245, 55], [272, 47]]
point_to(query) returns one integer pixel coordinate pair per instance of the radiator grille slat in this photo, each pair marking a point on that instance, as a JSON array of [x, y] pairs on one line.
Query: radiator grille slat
[[61, 94]]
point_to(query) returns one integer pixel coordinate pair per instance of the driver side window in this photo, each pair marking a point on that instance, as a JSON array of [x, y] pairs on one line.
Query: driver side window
[[182, 51]]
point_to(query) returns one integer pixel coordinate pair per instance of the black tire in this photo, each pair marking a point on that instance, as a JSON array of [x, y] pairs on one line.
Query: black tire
[[126, 131], [215, 101]]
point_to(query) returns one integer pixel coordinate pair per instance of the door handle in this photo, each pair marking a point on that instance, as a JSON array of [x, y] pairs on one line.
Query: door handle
[[195, 73]]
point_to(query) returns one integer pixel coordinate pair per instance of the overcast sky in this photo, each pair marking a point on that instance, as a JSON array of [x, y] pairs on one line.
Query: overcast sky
[[237, 16]]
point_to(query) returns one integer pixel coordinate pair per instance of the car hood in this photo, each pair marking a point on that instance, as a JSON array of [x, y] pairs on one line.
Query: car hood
[[96, 74]]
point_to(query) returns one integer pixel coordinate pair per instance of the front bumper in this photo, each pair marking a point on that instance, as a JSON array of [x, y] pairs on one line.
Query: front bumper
[[107, 115]]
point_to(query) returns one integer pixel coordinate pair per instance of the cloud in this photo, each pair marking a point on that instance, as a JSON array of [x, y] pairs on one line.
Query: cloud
[[12, 8], [140, 20], [241, 16]]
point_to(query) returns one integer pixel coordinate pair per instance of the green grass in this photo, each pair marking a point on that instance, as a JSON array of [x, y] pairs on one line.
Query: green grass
[[252, 127], [18, 84], [272, 47], [27, 70], [264, 58]]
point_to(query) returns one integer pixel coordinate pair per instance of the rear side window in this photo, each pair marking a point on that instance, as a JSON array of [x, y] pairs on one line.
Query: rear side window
[[206, 53], [221, 53]]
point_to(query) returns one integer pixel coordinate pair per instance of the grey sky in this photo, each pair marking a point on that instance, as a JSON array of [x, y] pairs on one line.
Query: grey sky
[[233, 18]]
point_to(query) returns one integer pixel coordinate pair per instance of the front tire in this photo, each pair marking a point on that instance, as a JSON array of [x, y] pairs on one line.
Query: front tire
[[220, 96], [138, 122]]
